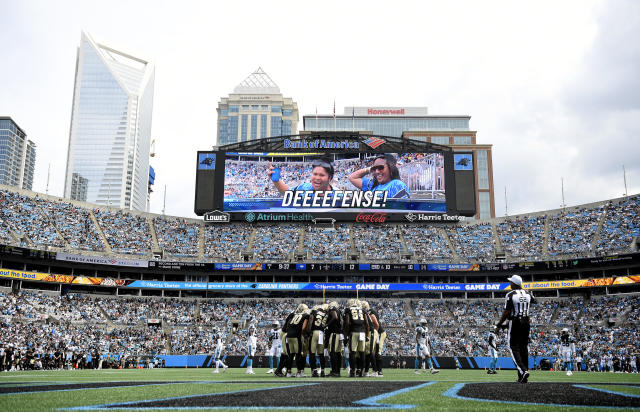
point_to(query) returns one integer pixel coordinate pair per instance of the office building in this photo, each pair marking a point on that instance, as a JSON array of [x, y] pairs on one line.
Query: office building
[[110, 132], [416, 123], [17, 155], [256, 109]]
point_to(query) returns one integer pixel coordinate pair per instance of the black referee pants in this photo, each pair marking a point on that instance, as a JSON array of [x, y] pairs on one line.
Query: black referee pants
[[518, 335]]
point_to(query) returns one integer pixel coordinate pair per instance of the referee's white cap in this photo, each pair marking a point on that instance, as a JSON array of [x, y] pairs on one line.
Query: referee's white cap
[[516, 280]]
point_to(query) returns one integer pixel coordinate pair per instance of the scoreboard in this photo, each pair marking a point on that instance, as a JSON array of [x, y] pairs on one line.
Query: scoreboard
[[339, 176]]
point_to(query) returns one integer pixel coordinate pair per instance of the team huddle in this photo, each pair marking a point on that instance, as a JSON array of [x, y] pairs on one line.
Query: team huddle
[[325, 331]]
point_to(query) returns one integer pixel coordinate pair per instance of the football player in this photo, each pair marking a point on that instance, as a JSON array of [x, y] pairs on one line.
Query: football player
[[316, 326], [295, 342], [355, 329], [492, 341], [275, 345], [252, 342], [423, 348], [372, 339], [334, 330], [567, 350], [379, 347], [217, 352], [284, 357]]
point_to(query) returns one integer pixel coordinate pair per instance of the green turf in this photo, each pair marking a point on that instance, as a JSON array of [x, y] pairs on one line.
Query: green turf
[[429, 397], [632, 390]]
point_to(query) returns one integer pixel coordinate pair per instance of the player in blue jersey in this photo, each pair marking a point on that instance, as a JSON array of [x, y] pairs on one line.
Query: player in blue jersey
[[385, 177], [492, 341], [423, 348], [322, 172]]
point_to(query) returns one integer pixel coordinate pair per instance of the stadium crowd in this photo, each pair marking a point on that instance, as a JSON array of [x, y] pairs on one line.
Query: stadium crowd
[[34, 221], [177, 237], [427, 243], [37, 325], [126, 233], [522, 236]]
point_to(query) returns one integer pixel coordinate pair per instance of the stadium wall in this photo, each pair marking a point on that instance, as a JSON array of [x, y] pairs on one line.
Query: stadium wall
[[441, 362]]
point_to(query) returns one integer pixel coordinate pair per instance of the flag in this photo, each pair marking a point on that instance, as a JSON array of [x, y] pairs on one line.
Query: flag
[[374, 142], [334, 115]]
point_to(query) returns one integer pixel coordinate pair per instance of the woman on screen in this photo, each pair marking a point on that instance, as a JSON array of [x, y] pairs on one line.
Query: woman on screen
[[322, 172], [385, 177]]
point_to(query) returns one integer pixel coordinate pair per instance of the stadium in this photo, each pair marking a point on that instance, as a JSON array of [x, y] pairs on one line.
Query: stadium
[[106, 308]]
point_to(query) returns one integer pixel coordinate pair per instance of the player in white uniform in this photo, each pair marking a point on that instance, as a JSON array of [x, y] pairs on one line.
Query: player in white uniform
[[492, 340], [567, 350], [252, 342], [423, 348], [217, 351], [275, 345]]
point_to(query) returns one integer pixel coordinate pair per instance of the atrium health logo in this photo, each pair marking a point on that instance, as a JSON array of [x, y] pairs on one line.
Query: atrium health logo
[[250, 217]]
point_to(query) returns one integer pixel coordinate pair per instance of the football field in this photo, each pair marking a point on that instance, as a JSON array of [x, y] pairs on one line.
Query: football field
[[200, 389]]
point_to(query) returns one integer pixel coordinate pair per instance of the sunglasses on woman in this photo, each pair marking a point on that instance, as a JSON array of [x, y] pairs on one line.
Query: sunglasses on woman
[[377, 168]]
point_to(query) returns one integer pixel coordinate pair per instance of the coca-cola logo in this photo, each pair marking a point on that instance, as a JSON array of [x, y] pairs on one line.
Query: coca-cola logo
[[371, 217]]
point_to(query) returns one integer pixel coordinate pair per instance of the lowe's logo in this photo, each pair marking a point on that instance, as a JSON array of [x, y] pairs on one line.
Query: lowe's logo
[[217, 216]]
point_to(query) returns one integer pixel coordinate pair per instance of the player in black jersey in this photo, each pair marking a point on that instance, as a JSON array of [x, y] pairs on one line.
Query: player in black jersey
[[380, 336], [371, 341], [334, 330], [355, 329], [517, 309], [284, 356], [295, 346], [316, 328]]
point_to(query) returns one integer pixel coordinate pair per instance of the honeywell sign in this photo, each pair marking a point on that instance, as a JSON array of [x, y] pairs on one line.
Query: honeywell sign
[[385, 111]]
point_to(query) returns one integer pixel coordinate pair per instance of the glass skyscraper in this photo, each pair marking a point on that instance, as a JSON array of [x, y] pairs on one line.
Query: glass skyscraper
[[110, 133], [256, 109], [17, 155]]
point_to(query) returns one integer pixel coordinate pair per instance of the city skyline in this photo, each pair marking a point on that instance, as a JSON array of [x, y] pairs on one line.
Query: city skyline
[[555, 93]]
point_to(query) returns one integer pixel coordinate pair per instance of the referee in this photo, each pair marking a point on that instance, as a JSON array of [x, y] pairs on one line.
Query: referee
[[517, 308]]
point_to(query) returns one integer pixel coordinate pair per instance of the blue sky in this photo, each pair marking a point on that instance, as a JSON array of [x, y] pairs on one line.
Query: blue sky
[[554, 86]]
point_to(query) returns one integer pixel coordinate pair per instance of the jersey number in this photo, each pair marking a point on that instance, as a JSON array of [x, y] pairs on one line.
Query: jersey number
[[319, 320], [356, 314]]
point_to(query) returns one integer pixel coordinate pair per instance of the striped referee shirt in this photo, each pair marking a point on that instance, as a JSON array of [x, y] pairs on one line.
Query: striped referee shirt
[[518, 302]]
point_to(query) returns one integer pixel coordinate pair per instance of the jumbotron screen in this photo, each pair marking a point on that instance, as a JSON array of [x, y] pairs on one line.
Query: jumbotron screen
[[333, 177], [334, 182]]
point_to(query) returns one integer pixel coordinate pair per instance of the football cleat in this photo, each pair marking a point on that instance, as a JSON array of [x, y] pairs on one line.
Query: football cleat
[[525, 377], [270, 371], [215, 371], [417, 372], [434, 371], [569, 373]]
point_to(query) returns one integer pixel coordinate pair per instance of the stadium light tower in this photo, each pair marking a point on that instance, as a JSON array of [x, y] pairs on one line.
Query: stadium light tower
[[624, 176], [563, 205], [506, 209]]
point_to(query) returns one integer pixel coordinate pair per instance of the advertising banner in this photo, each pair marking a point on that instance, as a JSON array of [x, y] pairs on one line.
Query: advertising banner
[[19, 274], [101, 260]]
